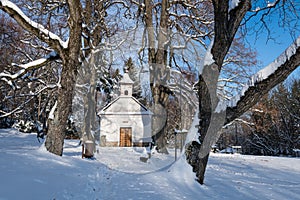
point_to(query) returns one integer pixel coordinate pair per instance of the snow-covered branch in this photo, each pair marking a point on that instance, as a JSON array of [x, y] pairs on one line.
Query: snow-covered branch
[[269, 5], [262, 82], [32, 96], [53, 40], [241, 121], [28, 66]]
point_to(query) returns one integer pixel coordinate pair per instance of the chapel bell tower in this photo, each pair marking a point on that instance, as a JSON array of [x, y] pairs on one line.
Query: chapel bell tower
[[126, 85]]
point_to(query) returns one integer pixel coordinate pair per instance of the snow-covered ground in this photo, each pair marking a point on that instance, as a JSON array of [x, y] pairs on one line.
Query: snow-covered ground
[[28, 171]]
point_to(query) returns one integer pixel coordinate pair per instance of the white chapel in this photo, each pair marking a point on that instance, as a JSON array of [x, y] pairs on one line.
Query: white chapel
[[125, 122]]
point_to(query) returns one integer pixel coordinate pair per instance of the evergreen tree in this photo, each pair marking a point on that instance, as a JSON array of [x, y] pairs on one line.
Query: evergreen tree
[[295, 113], [108, 85], [276, 122]]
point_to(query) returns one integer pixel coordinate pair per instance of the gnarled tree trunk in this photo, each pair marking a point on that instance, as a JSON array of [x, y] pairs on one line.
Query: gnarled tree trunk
[[57, 126], [210, 122], [70, 57], [157, 59]]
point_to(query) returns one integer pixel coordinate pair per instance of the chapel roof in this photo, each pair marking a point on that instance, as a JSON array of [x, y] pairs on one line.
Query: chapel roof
[[126, 79], [125, 105]]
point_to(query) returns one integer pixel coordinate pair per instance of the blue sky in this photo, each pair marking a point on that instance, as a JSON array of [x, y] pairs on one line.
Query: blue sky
[[268, 51], [283, 31]]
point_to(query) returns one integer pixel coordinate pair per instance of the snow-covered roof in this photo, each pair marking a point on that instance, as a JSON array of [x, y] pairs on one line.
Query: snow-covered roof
[[126, 79], [125, 105]]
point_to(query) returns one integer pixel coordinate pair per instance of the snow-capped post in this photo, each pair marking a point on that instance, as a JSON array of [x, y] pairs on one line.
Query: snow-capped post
[[88, 147]]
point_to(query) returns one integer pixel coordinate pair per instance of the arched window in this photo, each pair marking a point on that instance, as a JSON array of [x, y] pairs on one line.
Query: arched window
[[126, 92]]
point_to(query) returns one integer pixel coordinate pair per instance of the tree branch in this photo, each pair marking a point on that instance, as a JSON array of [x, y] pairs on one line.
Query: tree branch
[[32, 96], [265, 80], [226, 24], [28, 66], [37, 29]]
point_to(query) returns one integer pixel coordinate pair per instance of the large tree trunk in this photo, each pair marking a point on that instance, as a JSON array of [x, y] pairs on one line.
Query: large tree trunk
[[157, 59], [57, 126], [210, 121], [159, 120]]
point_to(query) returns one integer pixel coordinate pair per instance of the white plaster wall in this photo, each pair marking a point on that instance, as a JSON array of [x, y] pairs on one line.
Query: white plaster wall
[[127, 87], [140, 124], [109, 128]]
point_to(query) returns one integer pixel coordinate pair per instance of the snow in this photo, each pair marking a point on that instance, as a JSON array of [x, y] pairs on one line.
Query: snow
[[271, 4], [208, 59], [28, 171], [51, 114], [261, 75], [233, 4], [41, 28], [193, 132]]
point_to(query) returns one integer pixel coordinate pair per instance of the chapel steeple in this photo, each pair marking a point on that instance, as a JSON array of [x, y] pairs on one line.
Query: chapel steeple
[[126, 85]]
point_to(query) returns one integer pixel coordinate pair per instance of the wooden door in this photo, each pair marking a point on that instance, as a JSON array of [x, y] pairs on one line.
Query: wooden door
[[125, 137]]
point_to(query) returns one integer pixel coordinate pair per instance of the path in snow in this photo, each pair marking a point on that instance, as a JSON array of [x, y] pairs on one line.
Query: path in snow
[[27, 171]]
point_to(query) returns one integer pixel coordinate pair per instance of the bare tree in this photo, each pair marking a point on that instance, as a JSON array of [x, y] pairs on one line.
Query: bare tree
[[275, 123], [214, 113], [67, 50], [175, 36], [36, 87]]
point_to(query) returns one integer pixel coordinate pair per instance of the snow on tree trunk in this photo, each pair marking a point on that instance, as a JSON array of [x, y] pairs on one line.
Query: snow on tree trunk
[[211, 122]]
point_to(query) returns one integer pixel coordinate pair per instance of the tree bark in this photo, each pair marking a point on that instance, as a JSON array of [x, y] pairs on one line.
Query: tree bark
[[56, 127], [157, 59], [70, 57], [211, 122], [159, 120]]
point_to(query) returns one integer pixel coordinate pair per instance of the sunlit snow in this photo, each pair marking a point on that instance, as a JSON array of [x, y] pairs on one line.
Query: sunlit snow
[[28, 171]]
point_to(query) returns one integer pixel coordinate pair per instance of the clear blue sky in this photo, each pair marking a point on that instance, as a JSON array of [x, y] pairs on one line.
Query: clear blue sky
[[283, 36], [269, 51]]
